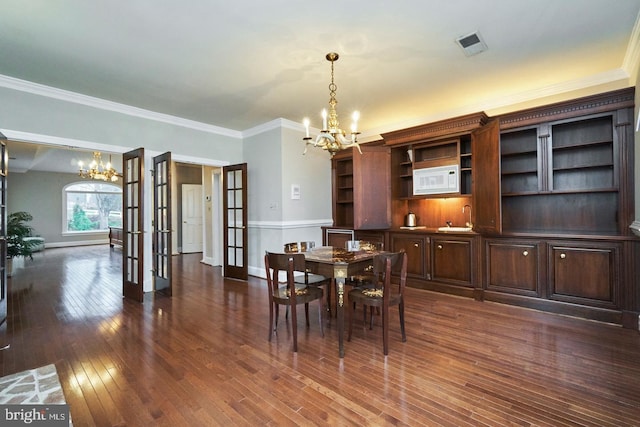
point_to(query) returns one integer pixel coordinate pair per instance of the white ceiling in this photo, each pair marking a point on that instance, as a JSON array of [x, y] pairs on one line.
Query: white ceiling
[[244, 63]]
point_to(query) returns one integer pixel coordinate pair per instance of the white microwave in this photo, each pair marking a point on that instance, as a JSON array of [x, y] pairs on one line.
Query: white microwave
[[436, 180]]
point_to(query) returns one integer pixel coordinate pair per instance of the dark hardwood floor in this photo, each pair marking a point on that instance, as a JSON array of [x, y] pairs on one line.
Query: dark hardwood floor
[[202, 357]]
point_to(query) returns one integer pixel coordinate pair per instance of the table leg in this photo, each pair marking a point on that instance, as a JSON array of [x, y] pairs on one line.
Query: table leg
[[340, 313]]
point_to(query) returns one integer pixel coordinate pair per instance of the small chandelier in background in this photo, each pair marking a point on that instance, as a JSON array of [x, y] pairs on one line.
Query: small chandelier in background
[[98, 170], [331, 137]]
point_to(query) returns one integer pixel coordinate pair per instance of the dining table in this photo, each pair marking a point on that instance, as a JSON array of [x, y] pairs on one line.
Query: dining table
[[339, 264]]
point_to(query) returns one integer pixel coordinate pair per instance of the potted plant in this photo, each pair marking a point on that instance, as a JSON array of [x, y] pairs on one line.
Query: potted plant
[[17, 230]]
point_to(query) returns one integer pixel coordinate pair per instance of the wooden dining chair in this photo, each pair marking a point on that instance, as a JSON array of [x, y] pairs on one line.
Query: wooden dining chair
[[388, 291], [291, 294], [365, 278], [310, 279]]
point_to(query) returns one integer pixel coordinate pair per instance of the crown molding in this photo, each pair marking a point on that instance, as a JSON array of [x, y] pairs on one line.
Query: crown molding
[[265, 127], [102, 104], [70, 143]]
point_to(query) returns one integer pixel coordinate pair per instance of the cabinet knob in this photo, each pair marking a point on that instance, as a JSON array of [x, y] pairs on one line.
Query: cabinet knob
[[563, 256], [525, 253], [439, 246], [416, 245]]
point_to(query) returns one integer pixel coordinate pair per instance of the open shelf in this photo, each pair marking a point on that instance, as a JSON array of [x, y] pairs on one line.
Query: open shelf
[[561, 177]]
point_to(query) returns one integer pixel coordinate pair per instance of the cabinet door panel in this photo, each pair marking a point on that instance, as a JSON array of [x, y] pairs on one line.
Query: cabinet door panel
[[372, 188], [586, 275], [416, 248], [452, 261], [486, 179], [513, 268]]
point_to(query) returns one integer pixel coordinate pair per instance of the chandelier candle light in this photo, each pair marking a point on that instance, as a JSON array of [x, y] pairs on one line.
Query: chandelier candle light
[[98, 170], [331, 137]]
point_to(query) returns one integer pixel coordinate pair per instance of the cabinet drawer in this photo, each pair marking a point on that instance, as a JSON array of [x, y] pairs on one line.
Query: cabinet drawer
[[513, 267]]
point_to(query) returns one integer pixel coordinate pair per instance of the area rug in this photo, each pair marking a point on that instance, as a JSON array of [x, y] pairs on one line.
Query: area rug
[[34, 386]]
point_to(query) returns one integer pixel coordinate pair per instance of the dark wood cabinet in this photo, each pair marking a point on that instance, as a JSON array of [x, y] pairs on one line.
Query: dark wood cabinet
[[584, 273], [443, 143], [486, 181], [565, 172], [417, 248], [550, 193], [452, 260], [362, 188], [566, 169], [512, 266]]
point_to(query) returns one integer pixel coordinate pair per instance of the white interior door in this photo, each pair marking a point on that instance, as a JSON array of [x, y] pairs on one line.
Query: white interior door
[[192, 218]]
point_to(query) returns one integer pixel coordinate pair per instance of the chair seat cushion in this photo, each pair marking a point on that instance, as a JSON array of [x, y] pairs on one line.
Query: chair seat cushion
[[376, 293], [303, 293], [372, 296]]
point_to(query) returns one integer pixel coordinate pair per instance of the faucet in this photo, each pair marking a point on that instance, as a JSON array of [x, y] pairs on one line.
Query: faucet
[[469, 224]]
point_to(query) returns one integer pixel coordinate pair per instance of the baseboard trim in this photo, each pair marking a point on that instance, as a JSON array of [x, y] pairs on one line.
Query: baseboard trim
[[75, 243]]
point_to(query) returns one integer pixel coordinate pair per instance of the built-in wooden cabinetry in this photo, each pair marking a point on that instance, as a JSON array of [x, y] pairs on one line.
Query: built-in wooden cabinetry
[[582, 277], [551, 190], [417, 246], [559, 203], [563, 176], [432, 145], [453, 259], [362, 188], [512, 266]]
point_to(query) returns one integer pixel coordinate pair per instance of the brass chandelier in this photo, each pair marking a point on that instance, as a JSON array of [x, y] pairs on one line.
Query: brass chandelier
[[98, 170], [331, 137]]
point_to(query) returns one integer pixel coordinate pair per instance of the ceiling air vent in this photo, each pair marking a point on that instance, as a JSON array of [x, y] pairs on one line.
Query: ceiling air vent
[[472, 44]]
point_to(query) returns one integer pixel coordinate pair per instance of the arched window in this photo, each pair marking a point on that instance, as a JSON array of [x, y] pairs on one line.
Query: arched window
[[91, 206]]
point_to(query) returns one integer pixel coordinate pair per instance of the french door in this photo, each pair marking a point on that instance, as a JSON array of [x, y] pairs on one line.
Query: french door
[[235, 221], [4, 160], [133, 226], [162, 249]]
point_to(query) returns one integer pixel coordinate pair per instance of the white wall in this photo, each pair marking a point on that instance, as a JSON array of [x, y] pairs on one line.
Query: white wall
[[273, 154], [274, 162], [40, 194], [58, 117]]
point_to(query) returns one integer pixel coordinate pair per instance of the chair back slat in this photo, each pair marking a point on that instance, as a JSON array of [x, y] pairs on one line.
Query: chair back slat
[[385, 265]]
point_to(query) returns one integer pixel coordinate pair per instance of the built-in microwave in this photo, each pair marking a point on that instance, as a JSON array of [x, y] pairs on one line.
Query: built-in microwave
[[436, 180]]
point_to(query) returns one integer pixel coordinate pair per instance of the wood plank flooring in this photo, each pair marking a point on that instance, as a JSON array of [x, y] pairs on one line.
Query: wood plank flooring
[[201, 358]]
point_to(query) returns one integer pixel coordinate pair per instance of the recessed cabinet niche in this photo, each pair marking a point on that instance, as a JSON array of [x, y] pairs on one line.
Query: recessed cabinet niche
[[444, 143]]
